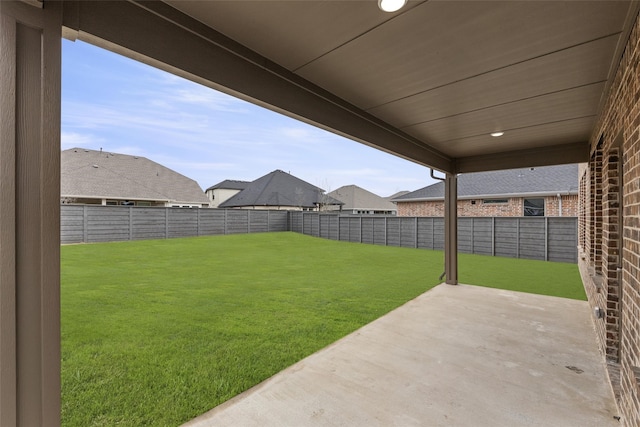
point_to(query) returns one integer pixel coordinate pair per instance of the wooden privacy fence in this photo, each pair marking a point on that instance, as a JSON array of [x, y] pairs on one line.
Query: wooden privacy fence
[[541, 238], [90, 224]]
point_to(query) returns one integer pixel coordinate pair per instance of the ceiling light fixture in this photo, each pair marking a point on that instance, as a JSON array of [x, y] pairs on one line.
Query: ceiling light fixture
[[497, 134], [391, 5]]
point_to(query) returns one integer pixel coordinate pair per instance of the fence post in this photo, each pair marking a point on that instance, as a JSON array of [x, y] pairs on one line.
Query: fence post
[[166, 222], [386, 238], [225, 221], [248, 221], [416, 230], [85, 224], [361, 229], [546, 238], [517, 237], [473, 235], [493, 236], [198, 222], [433, 233], [130, 222]]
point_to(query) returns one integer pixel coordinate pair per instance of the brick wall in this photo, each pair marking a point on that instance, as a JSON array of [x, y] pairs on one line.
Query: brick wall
[[610, 229], [477, 208]]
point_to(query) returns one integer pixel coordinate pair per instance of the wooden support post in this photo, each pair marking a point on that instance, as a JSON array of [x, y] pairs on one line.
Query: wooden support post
[[451, 229], [30, 67]]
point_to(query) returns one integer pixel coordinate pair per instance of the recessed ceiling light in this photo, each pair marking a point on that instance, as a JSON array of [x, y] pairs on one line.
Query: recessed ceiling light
[[497, 134], [391, 5]]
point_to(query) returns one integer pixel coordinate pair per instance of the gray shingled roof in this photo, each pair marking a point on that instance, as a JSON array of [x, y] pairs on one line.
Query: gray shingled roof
[[398, 194], [101, 174], [279, 188], [230, 184], [540, 181], [355, 197]]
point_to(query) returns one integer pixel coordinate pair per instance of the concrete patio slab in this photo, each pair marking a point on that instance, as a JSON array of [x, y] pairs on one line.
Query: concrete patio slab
[[454, 356]]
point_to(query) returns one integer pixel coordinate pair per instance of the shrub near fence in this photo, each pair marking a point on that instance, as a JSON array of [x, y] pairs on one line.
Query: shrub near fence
[[91, 224], [541, 238]]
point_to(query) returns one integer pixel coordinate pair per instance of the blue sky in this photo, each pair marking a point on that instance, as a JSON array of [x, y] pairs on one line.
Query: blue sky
[[120, 105]]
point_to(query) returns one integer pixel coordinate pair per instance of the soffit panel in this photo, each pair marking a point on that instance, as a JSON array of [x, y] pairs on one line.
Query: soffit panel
[[549, 134], [577, 66], [438, 43], [559, 106], [290, 33]]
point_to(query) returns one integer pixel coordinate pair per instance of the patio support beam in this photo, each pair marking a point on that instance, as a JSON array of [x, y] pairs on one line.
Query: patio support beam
[[159, 35], [30, 47], [451, 228]]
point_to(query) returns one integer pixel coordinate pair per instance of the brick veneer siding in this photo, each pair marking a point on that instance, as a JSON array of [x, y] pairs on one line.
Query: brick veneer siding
[[610, 205], [514, 207]]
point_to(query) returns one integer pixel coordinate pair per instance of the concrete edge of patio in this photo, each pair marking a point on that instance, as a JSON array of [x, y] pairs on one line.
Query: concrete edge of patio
[[456, 355]]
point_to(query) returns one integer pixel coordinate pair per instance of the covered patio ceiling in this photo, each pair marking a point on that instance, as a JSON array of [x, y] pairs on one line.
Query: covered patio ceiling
[[429, 83]]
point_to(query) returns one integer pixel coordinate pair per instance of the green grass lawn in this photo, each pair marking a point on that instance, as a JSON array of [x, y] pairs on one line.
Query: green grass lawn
[[157, 332]]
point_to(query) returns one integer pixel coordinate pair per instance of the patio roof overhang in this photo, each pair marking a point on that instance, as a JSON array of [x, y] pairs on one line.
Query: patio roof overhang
[[429, 83]]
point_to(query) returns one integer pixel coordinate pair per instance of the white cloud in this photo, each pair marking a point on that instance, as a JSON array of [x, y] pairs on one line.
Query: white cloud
[[297, 133], [209, 98], [76, 139], [127, 149], [202, 166]]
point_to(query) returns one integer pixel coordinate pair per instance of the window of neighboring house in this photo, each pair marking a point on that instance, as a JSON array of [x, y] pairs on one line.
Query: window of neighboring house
[[534, 207], [494, 201], [112, 202], [144, 203]]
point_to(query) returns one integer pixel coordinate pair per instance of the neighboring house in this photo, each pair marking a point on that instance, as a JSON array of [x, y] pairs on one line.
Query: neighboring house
[[357, 200], [105, 178], [224, 190], [540, 191], [280, 190]]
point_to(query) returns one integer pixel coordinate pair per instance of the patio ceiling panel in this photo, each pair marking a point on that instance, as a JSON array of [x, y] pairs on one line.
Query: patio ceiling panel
[[577, 66], [437, 43], [576, 103], [291, 33], [542, 135]]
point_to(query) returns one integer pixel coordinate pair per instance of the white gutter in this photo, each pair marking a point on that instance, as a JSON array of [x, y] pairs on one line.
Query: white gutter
[[487, 196], [145, 199]]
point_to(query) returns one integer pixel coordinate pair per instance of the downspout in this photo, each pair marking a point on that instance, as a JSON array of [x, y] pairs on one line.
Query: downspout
[[436, 177], [450, 227]]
